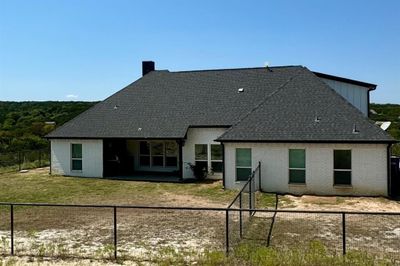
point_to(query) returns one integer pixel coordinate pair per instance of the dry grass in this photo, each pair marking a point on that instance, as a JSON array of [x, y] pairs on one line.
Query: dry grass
[[38, 186], [63, 232], [71, 231]]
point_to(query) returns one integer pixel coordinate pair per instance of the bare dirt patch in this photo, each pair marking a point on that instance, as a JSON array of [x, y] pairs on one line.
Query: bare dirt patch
[[333, 203], [141, 233], [191, 201], [375, 234]]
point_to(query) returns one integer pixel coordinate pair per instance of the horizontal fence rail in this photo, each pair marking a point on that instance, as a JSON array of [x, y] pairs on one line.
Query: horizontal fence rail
[[114, 228], [193, 208]]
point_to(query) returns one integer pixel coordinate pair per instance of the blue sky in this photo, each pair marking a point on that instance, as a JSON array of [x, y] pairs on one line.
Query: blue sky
[[87, 50]]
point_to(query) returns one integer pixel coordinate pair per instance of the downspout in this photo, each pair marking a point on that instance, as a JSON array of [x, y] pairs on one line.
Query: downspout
[[389, 170], [223, 164]]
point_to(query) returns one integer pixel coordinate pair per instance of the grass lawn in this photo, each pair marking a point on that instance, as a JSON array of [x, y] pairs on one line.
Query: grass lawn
[[54, 231], [39, 187]]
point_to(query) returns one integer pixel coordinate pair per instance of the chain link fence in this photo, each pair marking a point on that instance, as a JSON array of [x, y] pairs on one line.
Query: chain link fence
[[28, 159], [138, 233], [151, 234], [239, 222]]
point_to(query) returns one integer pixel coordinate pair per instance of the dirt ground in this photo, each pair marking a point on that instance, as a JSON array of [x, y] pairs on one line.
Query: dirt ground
[[333, 203], [87, 232], [375, 234]]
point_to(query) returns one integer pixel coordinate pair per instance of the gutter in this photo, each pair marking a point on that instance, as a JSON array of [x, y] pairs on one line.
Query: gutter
[[312, 141]]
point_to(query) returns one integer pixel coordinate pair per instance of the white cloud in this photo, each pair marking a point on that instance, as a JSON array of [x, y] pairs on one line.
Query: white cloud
[[72, 96]]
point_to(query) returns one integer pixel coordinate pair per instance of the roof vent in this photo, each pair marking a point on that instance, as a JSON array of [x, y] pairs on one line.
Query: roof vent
[[139, 129], [317, 119], [240, 90], [355, 130], [115, 107]]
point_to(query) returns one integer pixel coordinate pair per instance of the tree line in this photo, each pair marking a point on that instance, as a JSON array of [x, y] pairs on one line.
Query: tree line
[[24, 124]]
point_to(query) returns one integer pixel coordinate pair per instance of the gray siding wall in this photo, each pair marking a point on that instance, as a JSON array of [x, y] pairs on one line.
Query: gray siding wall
[[356, 95]]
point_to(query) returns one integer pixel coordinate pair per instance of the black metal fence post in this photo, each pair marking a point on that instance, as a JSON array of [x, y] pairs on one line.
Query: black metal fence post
[[115, 232], [250, 196], [19, 161], [240, 216], [12, 228], [344, 233], [227, 231], [259, 176]]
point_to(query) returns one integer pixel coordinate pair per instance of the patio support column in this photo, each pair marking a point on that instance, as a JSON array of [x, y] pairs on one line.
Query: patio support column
[[180, 143]]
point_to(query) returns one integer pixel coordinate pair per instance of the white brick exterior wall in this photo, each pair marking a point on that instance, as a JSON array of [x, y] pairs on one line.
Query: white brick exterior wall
[[92, 157], [198, 136], [369, 168]]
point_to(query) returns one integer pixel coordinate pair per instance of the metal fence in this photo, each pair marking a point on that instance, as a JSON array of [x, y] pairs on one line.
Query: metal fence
[[144, 233], [151, 233], [245, 201], [139, 233], [377, 233], [28, 159]]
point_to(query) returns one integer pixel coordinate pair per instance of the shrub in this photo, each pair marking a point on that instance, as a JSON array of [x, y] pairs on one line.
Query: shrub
[[199, 172]]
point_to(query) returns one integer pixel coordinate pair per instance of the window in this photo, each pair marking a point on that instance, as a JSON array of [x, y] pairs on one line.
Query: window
[[158, 154], [171, 154], [243, 164], [216, 158], [144, 153], [76, 157], [297, 166], [342, 167], [201, 155]]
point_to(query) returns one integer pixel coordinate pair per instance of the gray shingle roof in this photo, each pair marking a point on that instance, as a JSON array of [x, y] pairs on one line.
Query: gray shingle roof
[[305, 109], [276, 103]]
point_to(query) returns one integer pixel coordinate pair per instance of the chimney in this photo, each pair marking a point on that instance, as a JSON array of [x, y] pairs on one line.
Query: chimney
[[147, 66]]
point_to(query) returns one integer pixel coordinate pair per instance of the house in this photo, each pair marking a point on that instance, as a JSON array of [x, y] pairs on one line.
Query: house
[[310, 131]]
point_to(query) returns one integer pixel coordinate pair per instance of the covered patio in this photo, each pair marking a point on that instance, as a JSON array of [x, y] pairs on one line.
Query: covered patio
[[143, 160]]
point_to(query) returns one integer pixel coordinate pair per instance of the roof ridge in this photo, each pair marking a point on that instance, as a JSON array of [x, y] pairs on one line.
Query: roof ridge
[[240, 68], [279, 88]]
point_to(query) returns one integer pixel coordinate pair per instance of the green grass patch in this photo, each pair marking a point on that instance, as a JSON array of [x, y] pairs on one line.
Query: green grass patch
[[313, 254], [38, 186], [265, 200]]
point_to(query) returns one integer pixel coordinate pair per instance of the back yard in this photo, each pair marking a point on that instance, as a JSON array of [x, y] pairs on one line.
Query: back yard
[[153, 235]]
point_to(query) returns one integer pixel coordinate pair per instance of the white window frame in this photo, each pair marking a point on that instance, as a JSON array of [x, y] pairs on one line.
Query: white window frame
[[296, 168], [343, 170], [76, 159], [207, 154], [164, 155], [244, 167], [218, 161], [176, 155]]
